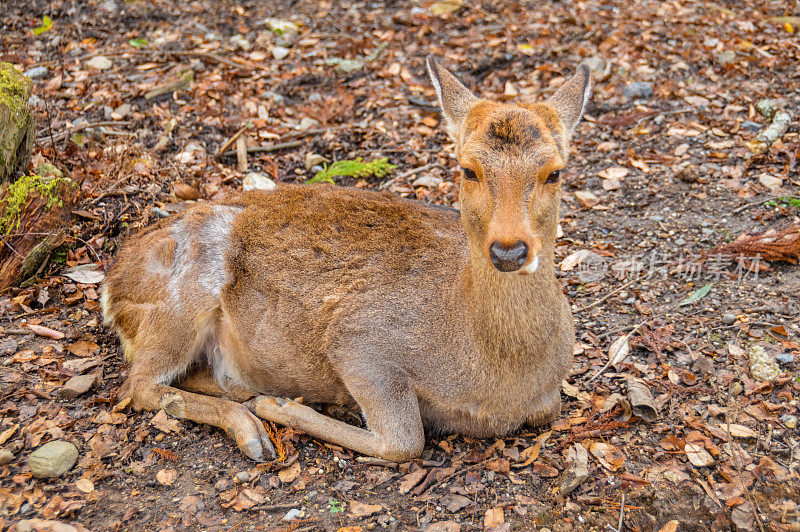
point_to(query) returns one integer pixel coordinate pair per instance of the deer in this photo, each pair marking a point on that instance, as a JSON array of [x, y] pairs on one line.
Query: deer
[[424, 318]]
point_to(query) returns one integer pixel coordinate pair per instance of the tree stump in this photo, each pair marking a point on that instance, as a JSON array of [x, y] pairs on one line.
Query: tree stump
[[17, 130], [34, 216]]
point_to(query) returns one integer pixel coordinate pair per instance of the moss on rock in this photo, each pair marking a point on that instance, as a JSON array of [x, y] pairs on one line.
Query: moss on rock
[[17, 130]]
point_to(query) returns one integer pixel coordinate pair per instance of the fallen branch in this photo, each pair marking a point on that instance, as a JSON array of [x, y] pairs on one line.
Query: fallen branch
[[231, 140], [267, 149], [407, 174], [61, 135], [608, 295], [183, 82]]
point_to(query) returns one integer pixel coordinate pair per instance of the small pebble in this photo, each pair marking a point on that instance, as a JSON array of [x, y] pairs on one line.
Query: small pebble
[[242, 477], [784, 358], [788, 420], [53, 459], [158, 212], [638, 90], [294, 513], [39, 72], [728, 318], [751, 126], [6, 456]]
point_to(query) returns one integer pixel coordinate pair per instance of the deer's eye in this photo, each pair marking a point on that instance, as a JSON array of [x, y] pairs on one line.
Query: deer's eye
[[469, 175], [553, 177]]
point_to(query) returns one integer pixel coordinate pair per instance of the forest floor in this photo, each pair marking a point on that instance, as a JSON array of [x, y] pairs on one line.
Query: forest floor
[[688, 432]]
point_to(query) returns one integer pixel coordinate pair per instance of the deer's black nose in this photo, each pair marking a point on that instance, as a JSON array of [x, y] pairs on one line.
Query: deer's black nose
[[508, 258]]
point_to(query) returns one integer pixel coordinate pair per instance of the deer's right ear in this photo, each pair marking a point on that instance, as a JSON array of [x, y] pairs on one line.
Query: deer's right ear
[[454, 98]]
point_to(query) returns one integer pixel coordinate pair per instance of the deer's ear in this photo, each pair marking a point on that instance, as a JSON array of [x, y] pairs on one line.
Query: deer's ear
[[570, 99], [454, 98]]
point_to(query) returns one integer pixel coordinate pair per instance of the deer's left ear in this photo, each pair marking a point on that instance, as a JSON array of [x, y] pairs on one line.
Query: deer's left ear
[[454, 98], [570, 99]]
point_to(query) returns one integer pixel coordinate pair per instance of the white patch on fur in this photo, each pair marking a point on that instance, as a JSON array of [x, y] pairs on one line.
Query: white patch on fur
[[199, 257], [169, 376], [531, 267], [225, 371]]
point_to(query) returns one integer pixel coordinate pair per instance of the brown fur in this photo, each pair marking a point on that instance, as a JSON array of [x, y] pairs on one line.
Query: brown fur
[[354, 297]]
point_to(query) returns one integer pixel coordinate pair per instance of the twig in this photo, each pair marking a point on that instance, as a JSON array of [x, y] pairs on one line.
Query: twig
[[241, 154], [80, 127], [759, 202], [371, 460], [275, 507], [231, 140], [50, 131], [621, 514], [602, 299], [407, 174], [267, 149]]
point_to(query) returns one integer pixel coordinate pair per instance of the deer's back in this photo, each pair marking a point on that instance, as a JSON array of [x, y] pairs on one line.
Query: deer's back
[[285, 276]]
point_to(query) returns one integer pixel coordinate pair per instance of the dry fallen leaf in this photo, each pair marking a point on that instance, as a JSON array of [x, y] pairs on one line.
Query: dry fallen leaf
[[41, 330], [573, 259], [738, 431], [165, 423], [84, 485], [82, 348], [619, 350], [587, 198], [697, 455], [167, 477], [671, 526], [609, 456], [493, 517], [411, 480], [289, 474], [615, 172], [360, 509]]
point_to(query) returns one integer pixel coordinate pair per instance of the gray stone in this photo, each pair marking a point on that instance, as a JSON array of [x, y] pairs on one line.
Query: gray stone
[[784, 358], [751, 126], [638, 90], [123, 110], [78, 385], [724, 57], [158, 212], [6, 456], [39, 72], [8, 346], [257, 181], [53, 459], [788, 420], [728, 318], [763, 367], [279, 52]]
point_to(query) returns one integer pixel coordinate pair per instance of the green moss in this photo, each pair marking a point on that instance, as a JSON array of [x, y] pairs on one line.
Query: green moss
[[18, 192], [357, 168], [14, 89]]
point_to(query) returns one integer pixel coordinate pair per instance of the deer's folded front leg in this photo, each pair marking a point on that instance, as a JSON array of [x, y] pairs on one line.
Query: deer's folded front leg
[[394, 423]]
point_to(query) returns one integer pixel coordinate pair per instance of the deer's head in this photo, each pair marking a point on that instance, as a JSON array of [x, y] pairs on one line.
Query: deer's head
[[511, 157]]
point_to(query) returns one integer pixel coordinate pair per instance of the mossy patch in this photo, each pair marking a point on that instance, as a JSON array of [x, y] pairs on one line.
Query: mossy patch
[[16, 123], [14, 91], [356, 168], [18, 192]]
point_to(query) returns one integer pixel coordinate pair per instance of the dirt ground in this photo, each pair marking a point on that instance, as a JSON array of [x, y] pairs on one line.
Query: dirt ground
[[663, 171]]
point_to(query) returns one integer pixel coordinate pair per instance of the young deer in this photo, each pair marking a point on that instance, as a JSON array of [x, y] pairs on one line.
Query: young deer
[[421, 316]]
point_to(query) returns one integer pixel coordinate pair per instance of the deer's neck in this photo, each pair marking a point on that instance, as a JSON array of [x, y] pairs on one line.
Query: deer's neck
[[509, 312]]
